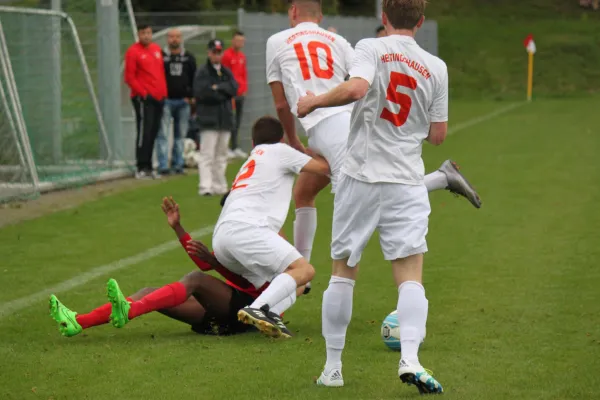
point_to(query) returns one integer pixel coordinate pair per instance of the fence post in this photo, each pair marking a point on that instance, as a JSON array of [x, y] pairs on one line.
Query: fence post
[[56, 82], [109, 74], [240, 18]]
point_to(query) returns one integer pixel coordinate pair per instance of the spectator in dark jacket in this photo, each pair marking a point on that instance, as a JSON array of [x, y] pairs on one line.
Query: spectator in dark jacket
[[214, 87], [180, 69]]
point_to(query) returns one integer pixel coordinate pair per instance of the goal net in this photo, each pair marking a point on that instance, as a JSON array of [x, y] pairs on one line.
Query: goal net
[[51, 131]]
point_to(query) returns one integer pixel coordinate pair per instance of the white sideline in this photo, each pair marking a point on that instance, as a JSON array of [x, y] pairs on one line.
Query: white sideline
[[15, 305], [477, 120]]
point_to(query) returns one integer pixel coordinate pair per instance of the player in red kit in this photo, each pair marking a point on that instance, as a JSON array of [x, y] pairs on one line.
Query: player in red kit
[[200, 300]]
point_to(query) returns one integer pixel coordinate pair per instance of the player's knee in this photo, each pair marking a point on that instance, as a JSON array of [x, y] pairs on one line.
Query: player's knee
[[309, 272], [194, 280]]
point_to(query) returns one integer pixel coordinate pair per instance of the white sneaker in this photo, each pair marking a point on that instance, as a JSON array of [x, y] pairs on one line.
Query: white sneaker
[[231, 154], [240, 153], [332, 379], [413, 374]]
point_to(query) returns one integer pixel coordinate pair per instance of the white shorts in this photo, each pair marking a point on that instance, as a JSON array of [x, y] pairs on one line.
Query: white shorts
[[329, 138], [400, 213], [253, 252]]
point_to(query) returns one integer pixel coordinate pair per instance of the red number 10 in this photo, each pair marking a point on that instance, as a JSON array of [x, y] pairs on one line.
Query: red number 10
[[314, 58], [403, 100]]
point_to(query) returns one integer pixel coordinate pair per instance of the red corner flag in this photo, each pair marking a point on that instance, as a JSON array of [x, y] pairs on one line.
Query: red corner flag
[[529, 44]]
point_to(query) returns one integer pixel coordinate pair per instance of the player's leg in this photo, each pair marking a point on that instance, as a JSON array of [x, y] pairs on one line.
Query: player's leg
[[355, 216], [306, 189], [208, 143], [329, 138], [219, 185], [221, 302], [403, 227], [260, 255], [449, 177], [70, 323]]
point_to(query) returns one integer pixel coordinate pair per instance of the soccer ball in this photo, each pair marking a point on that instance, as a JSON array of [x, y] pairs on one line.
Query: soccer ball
[[390, 332], [190, 155]]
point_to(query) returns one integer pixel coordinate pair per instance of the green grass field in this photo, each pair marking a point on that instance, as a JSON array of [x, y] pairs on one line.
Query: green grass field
[[513, 287]]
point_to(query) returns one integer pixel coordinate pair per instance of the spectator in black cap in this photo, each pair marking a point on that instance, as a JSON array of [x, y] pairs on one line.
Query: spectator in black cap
[[214, 87]]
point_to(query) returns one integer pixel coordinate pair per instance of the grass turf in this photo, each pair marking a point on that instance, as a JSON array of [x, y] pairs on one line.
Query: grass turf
[[512, 287]]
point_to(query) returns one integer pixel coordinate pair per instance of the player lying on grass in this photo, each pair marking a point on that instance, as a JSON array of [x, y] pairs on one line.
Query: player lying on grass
[[202, 301]]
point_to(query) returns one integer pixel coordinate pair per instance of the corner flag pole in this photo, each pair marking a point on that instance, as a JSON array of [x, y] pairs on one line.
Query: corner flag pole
[[530, 76], [530, 47]]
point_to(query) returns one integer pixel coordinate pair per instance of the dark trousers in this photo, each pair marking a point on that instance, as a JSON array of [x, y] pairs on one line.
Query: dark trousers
[[239, 109], [148, 116]]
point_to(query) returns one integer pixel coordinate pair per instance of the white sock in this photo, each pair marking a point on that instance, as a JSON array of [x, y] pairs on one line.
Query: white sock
[[305, 228], [281, 287], [412, 317], [284, 304], [436, 181], [336, 315]]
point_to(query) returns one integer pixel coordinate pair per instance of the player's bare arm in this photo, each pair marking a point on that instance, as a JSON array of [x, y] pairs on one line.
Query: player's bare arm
[[437, 133], [318, 165], [285, 115], [345, 93]]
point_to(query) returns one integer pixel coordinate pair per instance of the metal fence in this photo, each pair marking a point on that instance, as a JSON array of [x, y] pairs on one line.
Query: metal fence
[[51, 113]]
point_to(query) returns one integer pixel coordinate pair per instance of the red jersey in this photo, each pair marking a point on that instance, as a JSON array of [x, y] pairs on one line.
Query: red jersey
[[236, 62], [145, 71], [231, 279]]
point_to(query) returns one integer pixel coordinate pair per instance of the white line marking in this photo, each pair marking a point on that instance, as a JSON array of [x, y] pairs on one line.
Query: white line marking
[[483, 118], [24, 302]]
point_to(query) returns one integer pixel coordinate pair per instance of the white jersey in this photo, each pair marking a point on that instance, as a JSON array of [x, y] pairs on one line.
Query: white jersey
[[408, 91], [262, 190], [308, 58]]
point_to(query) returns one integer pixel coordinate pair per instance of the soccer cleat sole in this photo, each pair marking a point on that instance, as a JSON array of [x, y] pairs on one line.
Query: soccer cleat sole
[[119, 316], [411, 379], [334, 384], [263, 326], [473, 197]]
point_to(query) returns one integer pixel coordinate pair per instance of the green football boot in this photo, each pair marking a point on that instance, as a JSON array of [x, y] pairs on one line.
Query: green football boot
[[67, 323], [119, 317]]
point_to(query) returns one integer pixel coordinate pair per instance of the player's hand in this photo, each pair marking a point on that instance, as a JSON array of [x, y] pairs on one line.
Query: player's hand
[[198, 249], [306, 104], [171, 210], [297, 144]]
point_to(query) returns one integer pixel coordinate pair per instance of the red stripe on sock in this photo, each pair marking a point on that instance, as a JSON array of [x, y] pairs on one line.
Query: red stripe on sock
[[96, 317], [166, 297]]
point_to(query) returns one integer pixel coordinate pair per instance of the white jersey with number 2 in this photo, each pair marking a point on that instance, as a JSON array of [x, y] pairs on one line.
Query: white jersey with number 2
[[262, 190], [308, 58], [408, 91]]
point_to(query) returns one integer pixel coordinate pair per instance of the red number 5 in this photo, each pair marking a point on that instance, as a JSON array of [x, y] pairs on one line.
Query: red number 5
[[245, 173], [314, 58], [403, 100]]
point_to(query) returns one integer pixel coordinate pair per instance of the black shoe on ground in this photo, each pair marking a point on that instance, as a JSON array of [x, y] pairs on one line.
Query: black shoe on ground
[[266, 321]]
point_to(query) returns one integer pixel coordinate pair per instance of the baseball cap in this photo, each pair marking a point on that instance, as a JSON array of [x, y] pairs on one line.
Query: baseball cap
[[215, 44]]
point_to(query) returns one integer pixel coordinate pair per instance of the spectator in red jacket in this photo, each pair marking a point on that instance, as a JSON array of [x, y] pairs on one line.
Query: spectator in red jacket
[[145, 76], [235, 60]]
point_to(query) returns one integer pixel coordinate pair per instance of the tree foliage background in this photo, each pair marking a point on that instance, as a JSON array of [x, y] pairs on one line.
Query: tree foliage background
[[346, 7]]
